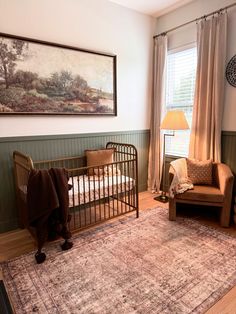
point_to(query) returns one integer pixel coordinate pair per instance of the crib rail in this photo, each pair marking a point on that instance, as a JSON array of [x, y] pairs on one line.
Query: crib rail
[[111, 190], [96, 198]]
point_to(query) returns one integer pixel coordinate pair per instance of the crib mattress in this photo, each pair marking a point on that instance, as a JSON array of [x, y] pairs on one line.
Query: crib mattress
[[85, 189]]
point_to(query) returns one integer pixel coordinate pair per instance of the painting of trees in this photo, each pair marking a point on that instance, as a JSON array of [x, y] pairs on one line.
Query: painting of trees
[[40, 78], [10, 52]]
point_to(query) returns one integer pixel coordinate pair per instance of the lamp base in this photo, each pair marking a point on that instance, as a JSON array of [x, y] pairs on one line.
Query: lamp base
[[162, 198]]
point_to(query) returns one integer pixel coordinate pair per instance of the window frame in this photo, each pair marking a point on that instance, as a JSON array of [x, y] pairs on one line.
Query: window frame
[[169, 52]]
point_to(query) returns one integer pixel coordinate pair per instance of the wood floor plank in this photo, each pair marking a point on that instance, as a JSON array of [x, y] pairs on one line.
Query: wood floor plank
[[226, 305]]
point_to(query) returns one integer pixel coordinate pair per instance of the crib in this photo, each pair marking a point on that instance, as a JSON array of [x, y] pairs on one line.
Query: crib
[[93, 198]]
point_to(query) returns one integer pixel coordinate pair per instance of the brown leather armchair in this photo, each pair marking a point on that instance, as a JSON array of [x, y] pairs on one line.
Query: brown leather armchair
[[219, 194]]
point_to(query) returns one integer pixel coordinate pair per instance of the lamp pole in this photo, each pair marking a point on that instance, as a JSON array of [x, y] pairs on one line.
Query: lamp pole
[[174, 120], [163, 197]]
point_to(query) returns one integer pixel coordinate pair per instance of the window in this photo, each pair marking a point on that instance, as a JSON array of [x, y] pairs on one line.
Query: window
[[180, 85]]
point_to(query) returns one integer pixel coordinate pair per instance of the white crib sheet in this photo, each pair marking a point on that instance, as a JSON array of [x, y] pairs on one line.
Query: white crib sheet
[[82, 193]]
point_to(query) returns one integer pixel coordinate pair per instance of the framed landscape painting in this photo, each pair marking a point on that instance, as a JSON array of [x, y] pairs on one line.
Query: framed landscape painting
[[38, 77]]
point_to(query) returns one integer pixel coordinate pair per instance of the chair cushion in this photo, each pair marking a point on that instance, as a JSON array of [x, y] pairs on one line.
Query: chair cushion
[[199, 172], [203, 193]]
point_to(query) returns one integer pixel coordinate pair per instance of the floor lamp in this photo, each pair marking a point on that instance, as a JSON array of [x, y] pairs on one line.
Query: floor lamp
[[173, 120]]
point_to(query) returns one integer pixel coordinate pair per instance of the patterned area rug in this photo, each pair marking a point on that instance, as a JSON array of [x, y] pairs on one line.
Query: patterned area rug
[[145, 265]]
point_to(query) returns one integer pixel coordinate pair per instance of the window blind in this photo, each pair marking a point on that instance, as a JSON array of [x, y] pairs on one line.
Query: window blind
[[180, 85]]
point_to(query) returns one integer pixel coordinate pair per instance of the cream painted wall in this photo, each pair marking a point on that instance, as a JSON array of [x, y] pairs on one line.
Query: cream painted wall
[[90, 24], [187, 34]]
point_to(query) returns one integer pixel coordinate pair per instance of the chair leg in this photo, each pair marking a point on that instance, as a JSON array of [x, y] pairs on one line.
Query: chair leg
[[225, 216], [172, 209]]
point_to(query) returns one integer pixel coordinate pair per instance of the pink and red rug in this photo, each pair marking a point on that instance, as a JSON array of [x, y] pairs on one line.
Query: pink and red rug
[[145, 265]]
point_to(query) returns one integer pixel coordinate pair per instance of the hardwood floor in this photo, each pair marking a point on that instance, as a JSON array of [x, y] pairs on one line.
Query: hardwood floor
[[19, 241]]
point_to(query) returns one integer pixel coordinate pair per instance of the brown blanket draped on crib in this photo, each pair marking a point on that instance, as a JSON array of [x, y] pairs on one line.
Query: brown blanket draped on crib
[[48, 201]]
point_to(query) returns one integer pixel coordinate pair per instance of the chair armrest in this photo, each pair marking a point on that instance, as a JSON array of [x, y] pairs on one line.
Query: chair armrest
[[226, 179]]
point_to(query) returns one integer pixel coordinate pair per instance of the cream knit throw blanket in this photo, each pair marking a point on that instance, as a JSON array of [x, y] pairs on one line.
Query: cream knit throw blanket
[[180, 182]]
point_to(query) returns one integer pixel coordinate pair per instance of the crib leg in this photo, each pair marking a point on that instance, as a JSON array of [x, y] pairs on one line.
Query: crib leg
[[137, 213]]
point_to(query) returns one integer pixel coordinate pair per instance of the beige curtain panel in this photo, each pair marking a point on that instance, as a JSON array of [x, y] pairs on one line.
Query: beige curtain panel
[[158, 98], [205, 140]]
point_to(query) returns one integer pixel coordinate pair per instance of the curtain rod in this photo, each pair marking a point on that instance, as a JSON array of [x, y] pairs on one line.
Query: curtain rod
[[195, 20]]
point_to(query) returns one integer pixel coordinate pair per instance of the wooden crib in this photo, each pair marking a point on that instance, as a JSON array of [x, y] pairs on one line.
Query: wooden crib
[[92, 198]]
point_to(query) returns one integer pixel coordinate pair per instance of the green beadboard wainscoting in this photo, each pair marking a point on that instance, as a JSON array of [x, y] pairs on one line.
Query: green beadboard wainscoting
[[229, 152], [53, 146], [229, 149]]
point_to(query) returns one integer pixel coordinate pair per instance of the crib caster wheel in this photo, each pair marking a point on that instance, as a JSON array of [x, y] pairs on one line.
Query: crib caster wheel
[[40, 257], [66, 245]]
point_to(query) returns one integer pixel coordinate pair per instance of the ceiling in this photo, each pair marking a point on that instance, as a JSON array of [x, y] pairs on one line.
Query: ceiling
[[152, 7]]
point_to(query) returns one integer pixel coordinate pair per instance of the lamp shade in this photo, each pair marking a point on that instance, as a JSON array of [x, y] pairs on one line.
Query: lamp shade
[[174, 120]]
